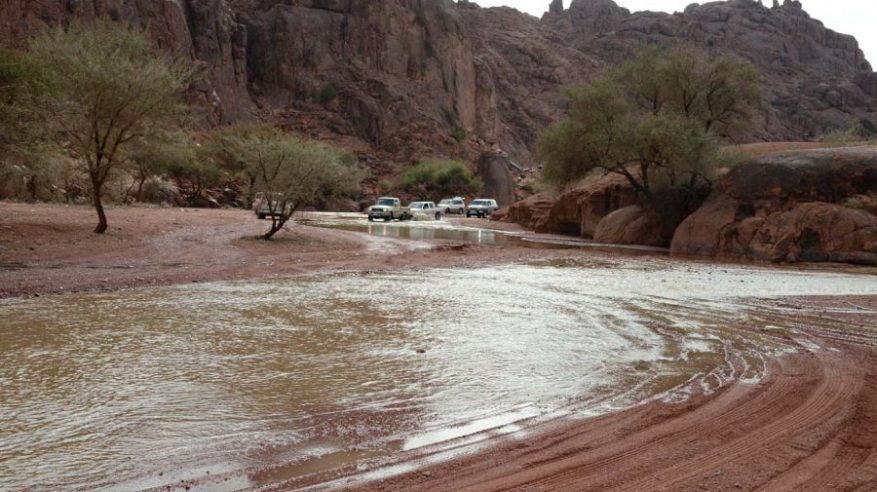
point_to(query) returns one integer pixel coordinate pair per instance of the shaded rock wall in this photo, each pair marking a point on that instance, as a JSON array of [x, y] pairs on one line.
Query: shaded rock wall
[[400, 80], [499, 181], [204, 30]]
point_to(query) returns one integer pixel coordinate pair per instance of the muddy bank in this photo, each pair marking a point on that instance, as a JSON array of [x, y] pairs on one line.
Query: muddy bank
[[807, 424], [50, 249]]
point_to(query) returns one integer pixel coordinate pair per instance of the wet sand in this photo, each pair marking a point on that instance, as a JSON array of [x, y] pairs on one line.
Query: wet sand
[[50, 249], [810, 424]]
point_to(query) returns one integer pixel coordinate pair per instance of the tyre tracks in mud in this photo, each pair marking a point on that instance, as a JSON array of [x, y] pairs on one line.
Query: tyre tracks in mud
[[810, 424]]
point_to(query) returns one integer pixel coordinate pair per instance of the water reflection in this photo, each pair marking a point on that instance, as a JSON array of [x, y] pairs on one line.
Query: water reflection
[[425, 231], [256, 383]]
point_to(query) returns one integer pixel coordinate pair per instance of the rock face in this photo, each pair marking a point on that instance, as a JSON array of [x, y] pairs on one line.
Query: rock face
[[631, 225], [397, 81], [804, 206], [577, 212], [206, 30], [499, 182], [528, 213]]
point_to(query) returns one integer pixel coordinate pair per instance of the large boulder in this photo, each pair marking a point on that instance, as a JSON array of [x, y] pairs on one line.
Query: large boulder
[[632, 225], [577, 212], [527, 213], [801, 206]]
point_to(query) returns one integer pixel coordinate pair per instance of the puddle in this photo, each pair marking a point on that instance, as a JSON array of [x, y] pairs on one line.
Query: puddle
[[228, 386], [452, 230]]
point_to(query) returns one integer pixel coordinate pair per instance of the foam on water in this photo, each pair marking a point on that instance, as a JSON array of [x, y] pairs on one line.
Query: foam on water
[[146, 387]]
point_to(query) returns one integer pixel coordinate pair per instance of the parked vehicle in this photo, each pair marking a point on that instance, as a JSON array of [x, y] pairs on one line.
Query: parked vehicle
[[454, 205], [425, 210], [263, 207], [481, 207], [387, 208]]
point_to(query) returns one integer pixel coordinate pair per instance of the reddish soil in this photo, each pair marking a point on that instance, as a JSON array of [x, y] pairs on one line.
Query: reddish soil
[[811, 424], [50, 249]]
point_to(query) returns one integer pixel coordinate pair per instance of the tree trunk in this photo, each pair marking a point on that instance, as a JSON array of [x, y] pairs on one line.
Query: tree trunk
[[140, 188], [99, 207], [277, 223], [274, 230]]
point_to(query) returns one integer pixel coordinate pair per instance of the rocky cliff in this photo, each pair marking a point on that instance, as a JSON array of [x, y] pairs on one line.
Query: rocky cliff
[[399, 80]]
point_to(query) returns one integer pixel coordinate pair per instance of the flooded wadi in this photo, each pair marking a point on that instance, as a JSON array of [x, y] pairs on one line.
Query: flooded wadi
[[229, 386]]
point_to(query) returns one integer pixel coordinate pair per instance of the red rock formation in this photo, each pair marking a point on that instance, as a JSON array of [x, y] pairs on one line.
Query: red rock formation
[[527, 213], [632, 225], [399, 80], [577, 212], [800, 206]]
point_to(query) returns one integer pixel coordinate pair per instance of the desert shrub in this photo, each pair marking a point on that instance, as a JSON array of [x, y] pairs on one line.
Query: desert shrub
[[855, 134], [292, 172], [458, 133], [434, 179], [193, 177], [328, 94]]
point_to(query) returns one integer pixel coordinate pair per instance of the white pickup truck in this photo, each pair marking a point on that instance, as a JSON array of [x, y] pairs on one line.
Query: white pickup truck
[[388, 208]]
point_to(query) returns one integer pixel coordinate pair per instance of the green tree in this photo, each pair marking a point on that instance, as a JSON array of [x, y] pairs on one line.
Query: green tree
[[20, 131], [657, 120], [288, 171], [436, 179], [109, 88]]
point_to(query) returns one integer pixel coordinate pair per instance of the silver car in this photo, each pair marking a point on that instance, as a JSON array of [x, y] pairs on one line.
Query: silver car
[[481, 207]]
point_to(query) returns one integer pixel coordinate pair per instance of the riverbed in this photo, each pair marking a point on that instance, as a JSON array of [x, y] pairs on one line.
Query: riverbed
[[235, 385]]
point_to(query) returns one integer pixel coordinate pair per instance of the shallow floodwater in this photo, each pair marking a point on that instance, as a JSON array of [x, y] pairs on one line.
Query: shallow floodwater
[[238, 385]]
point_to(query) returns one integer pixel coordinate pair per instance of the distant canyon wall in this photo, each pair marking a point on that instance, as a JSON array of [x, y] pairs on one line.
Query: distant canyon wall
[[400, 80]]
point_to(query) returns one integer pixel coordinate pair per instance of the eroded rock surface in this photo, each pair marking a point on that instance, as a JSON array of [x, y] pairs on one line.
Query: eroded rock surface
[[400, 80], [802, 206], [632, 225]]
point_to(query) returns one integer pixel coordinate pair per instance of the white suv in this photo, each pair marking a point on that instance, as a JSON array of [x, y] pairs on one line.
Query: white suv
[[424, 210], [481, 207], [454, 205]]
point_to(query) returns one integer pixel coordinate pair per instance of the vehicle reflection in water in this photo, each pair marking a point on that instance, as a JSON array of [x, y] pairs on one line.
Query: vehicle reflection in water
[[236, 385], [451, 230], [413, 231]]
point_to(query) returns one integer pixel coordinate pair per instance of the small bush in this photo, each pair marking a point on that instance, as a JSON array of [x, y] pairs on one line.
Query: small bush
[[854, 134], [458, 133], [434, 179], [328, 94]]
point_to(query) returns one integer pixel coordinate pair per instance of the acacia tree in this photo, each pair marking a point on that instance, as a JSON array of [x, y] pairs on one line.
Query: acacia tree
[[656, 120], [289, 171], [109, 88]]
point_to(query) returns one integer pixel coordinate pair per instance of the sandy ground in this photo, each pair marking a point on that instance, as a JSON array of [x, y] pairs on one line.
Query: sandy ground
[[50, 249], [811, 424]]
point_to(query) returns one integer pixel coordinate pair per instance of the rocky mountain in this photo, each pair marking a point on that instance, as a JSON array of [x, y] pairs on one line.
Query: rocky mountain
[[399, 80]]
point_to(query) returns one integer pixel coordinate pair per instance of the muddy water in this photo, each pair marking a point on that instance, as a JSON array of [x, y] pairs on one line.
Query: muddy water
[[229, 386]]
